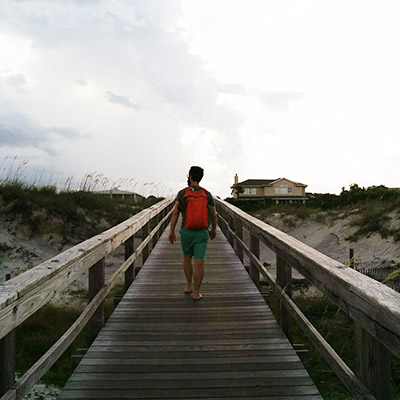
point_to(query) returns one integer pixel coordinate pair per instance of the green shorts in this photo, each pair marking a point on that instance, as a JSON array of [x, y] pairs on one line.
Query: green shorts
[[194, 242]]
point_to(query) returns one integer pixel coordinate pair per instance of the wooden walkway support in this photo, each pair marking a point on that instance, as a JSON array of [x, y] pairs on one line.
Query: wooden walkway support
[[161, 344]]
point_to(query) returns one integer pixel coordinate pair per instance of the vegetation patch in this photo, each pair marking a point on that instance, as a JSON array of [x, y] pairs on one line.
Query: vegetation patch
[[39, 332], [392, 277], [373, 219], [44, 210], [368, 207], [338, 329]]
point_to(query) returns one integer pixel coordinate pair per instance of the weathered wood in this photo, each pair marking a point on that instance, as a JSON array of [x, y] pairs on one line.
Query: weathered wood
[[7, 362], [231, 236], [354, 385], [239, 234], [146, 250], [155, 221], [284, 280], [373, 364], [255, 249], [23, 295], [351, 260], [11, 394], [34, 374], [159, 343], [97, 275], [25, 383], [7, 359], [130, 272], [373, 305]]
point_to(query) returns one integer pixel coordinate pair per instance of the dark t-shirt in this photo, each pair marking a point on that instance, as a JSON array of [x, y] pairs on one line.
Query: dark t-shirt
[[182, 203]]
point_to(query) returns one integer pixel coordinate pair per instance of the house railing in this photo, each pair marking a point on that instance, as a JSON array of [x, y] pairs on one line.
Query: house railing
[[25, 294], [373, 306]]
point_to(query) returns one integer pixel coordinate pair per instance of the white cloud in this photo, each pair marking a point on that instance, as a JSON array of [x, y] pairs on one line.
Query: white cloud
[[136, 49], [280, 101], [146, 89]]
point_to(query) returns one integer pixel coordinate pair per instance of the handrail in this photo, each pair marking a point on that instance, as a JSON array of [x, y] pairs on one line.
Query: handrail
[[47, 279], [23, 295], [374, 306]]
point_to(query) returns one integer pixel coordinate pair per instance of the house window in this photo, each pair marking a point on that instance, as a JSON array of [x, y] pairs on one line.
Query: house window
[[283, 189], [250, 191]]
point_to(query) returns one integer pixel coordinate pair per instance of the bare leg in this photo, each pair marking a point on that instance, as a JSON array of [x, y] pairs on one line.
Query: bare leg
[[198, 278], [187, 268]]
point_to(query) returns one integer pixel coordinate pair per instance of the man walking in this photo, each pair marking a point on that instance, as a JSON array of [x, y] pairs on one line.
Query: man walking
[[198, 210]]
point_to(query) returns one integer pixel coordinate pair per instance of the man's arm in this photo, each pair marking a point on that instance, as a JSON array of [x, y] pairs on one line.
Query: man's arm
[[174, 220], [213, 231]]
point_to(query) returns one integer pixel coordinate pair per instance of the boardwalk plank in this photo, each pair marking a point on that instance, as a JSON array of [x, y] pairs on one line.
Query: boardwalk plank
[[160, 344]]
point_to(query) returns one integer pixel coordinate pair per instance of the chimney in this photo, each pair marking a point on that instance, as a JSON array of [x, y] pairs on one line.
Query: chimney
[[236, 179]]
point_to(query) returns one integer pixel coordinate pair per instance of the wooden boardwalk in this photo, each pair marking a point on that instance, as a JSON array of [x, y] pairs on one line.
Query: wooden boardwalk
[[160, 344]]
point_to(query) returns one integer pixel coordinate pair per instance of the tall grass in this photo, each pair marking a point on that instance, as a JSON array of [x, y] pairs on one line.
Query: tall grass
[[34, 200], [38, 206], [16, 170]]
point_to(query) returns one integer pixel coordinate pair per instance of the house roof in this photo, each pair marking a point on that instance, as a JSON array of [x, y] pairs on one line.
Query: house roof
[[115, 191], [257, 182], [266, 182]]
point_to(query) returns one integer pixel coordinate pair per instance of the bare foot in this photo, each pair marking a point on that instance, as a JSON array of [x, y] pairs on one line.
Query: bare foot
[[188, 290], [197, 298]]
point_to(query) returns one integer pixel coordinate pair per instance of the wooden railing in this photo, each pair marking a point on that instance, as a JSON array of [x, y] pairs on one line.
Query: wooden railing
[[23, 295], [374, 307]]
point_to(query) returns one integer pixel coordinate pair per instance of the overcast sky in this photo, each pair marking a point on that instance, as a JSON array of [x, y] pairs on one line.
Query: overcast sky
[[142, 90]]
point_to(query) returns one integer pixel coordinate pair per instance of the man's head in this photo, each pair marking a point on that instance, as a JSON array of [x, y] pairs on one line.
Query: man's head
[[195, 173]]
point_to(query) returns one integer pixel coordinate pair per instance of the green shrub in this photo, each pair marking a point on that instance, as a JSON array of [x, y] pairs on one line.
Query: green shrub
[[34, 204], [250, 205], [372, 219]]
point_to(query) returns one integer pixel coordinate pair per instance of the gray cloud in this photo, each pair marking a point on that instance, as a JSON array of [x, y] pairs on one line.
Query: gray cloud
[[17, 130], [68, 133], [80, 81], [122, 100], [16, 80], [280, 101], [138, 44]]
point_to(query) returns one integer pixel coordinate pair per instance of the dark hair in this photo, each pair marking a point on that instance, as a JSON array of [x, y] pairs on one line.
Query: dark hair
[[196, 173]]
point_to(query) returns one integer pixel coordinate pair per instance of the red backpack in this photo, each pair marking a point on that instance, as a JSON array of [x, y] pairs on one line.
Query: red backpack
[[196, 208]]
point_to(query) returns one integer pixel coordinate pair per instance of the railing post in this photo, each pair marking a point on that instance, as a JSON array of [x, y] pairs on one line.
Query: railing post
[[96, 282], [130, 272], [231, 224], [224, 226], [145, 233], [255, 249], [351, 263], [156, 219], [284, 280], [372, 359], [372, 364], [163, 214], [7, 359], [239, 234]]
